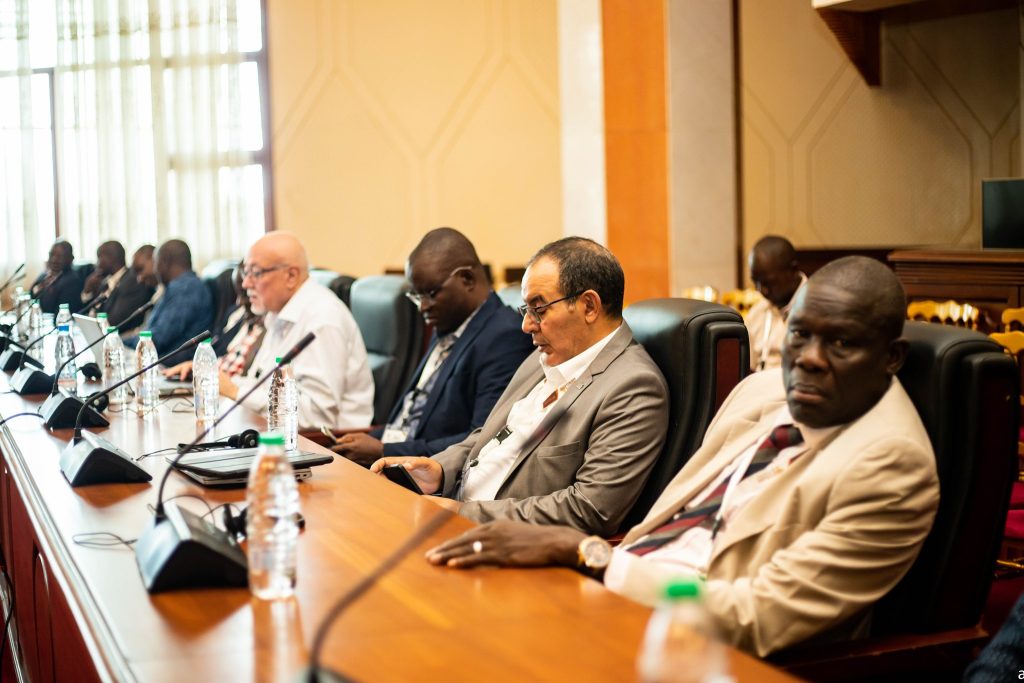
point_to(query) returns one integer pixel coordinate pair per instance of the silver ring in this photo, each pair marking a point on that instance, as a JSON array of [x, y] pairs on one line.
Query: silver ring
[[478, 547]]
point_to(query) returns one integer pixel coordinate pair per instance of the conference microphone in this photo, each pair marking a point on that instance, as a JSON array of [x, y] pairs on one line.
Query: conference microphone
[[315, 674], [37, 381], [13, 359], [16, 275], [7, 340], [91, 459], [183, 550], [97, 300]]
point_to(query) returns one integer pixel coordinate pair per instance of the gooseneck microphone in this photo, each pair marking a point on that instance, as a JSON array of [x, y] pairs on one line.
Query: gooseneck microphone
[[16, 275], [15, 360], [97, 300], [141, 309], [357, 591], [180, 549]]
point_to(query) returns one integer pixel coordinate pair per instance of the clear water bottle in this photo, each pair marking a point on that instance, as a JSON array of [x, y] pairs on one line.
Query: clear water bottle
[[272, 527], [24, 301], [283, 406], [680, 644], [146, 389], [205, 382], [63, 315], [113, 367], [68, 378], [35, 319], [101, 320]]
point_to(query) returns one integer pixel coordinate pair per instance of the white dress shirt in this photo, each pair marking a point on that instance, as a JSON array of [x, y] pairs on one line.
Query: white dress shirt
[[332, 373], [109, 284], [766, 326], [690, 553], [484, 478]]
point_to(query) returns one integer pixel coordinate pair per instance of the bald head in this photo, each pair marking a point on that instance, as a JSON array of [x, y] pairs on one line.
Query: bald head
[[275, 267], [446, 248], [173, 259], [874, 285], [110, 257], [445, 275]]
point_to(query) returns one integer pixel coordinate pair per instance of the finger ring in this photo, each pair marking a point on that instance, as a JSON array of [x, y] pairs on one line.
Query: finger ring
[[478, 547]]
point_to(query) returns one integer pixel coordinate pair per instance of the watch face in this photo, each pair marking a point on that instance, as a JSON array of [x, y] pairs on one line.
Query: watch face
[[596, 552]]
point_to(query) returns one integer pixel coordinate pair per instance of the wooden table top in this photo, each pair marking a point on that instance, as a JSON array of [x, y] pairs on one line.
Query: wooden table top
[[419, 623]]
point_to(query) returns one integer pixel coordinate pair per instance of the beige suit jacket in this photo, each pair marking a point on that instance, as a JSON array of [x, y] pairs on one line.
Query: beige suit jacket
[[827, 538], [589, 469]]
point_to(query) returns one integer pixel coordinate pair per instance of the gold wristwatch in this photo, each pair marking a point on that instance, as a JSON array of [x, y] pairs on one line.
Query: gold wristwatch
[[593, 555]]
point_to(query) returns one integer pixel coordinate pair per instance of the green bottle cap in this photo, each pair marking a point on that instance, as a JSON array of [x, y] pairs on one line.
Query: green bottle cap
[[146, 334], [61, 306], [272, 438], [111, 328], [278, 359], [682, 589]]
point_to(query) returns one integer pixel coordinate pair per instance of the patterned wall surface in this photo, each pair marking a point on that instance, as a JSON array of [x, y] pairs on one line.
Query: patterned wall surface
[[390, 117], [829, 161]]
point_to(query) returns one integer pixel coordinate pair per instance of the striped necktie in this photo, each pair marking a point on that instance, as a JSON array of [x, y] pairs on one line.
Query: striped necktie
[[781, 438]]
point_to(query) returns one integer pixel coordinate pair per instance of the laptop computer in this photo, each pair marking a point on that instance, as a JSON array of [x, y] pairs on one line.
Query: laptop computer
[[230, 466]]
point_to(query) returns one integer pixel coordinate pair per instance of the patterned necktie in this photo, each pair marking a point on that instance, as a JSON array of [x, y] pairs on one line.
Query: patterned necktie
[[781, 438], [409, 419]]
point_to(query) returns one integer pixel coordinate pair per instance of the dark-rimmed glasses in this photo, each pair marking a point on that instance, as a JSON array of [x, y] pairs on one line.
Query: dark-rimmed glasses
[[537, 312], [419, 297], [256, 272]]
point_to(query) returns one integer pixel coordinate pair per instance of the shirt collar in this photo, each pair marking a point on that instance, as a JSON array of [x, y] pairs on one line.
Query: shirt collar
[[454, 336], [293, 310], [574, 367]]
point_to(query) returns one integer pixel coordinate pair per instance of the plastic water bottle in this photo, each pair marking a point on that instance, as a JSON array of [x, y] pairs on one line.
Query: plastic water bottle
[[146, 390], [35, 328], [205, 381], [68, 378], [283, 406], [113, 367], [24, 301], [680, 644], [272, 525], [102, 322], [63, 315]]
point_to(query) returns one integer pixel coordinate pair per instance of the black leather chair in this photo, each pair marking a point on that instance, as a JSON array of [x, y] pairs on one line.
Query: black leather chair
[[703, 351], [342, 288], [392, 331], [222, 289], [218, 266], [322, 276], [83, 270], [966, 391]]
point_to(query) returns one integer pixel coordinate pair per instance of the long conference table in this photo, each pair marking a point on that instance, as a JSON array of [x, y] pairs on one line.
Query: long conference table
[[82, 613]]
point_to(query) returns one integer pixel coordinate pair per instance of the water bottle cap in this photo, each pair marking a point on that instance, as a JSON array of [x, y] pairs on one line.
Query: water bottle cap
[[208, 340], [111, 328], [35, 302], [64, 327], [682, 589], [272, 438], [146, 334], [62, 305], [277, 359], [101, 315]]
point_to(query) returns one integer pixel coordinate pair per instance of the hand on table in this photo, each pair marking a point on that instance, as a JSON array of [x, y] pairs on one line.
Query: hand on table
[[426, 471], [360, 448], [508, 543]]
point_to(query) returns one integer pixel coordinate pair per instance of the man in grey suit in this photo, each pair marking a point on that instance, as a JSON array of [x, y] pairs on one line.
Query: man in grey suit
[[573, 437]]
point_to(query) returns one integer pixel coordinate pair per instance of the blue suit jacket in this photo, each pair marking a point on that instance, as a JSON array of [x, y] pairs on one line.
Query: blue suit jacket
[[472, 378]]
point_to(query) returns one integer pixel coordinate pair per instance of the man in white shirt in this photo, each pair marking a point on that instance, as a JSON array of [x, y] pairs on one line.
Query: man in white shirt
[[334, 379], [809, 499], [776, 275], [573, 437]]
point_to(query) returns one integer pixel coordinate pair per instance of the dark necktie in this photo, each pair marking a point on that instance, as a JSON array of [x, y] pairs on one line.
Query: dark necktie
[[781, 438], [416, 400]]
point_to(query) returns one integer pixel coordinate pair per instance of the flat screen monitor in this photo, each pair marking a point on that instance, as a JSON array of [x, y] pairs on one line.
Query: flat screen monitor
[[1002, 213]]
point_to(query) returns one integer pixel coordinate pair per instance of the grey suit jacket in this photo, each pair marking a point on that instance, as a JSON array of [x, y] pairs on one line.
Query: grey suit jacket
[[589, 469]]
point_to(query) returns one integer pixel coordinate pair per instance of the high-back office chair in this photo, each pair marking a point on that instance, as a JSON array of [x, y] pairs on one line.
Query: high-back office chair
[[703, 351], [218, 266], [966, 391], [322, 276], [222, 289], [342, 288], [511, 295], [392, 331]]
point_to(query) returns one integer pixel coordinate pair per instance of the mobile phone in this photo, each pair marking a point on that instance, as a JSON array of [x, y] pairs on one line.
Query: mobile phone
[[401, 476]]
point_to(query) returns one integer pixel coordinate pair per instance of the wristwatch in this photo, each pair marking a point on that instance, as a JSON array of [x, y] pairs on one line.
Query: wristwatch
[[593, 555]]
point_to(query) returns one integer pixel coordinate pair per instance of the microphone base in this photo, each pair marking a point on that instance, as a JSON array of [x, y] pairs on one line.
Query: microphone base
[[60, 411], [31, 381], [320, 674], [12, 359], [183, 550], [6, 342], [94, 460]]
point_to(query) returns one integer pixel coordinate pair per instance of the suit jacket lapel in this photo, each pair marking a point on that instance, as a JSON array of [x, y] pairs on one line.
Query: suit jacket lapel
[[615, 348]]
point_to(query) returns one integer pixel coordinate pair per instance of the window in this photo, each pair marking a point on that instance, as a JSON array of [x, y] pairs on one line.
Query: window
[[133, 121]]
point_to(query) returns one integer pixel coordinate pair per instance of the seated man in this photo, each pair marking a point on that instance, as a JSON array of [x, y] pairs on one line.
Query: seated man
[[476, 348], [59, 283], [775, 273], [186, 307], [573, 437], [333, 375], [129, 290], [809, 499]]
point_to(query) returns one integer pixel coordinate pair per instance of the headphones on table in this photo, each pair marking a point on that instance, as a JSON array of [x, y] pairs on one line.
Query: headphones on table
[[248, 438]]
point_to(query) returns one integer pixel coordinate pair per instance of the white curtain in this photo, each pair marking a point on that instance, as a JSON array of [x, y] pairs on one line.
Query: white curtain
[[153, 114]]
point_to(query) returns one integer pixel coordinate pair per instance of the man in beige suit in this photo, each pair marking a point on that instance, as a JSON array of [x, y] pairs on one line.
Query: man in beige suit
[[573, 437], [809, 498]]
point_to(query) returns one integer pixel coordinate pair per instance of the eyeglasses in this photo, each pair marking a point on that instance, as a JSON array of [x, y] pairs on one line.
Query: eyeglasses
[[256, 273], [537, 312], [419, 297]]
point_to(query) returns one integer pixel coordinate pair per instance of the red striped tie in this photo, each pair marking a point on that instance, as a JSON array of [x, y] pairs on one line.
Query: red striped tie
[[781, 438]]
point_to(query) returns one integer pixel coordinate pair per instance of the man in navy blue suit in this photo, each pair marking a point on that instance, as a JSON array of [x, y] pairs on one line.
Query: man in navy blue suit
[[477, 346]]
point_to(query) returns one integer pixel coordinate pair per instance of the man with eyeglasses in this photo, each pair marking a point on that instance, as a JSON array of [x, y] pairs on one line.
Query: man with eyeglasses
[[186, 307], [333, 375], [573, 437], [476, 348]]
